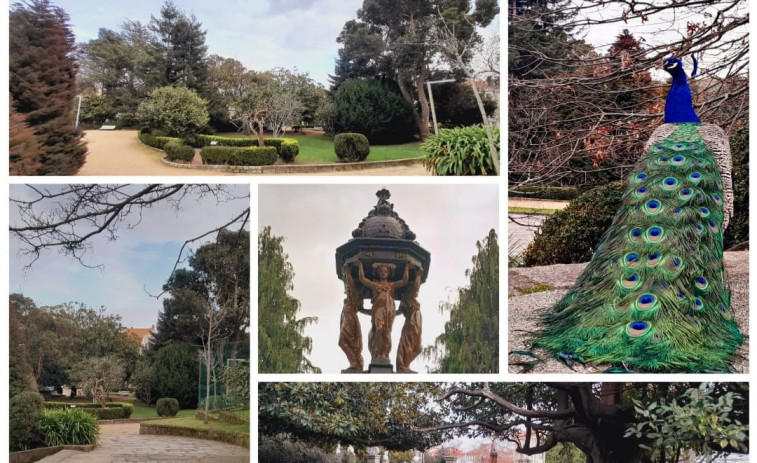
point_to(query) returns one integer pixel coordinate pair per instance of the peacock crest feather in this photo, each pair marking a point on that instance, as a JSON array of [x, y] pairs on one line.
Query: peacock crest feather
[[654, 296]]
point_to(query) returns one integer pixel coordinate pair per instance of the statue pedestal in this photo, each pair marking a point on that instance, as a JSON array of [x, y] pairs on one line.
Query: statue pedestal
[[380, 366], [352, 370]]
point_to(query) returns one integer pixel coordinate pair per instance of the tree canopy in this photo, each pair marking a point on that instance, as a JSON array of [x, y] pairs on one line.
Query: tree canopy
[[282, 347]]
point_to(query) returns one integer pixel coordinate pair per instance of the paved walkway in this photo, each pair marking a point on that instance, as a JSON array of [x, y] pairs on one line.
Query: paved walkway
[[118, 152], [122, 443]]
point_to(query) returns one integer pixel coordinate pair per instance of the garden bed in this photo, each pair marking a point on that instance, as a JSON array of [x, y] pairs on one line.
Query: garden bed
[[28, 456], [190, 427]]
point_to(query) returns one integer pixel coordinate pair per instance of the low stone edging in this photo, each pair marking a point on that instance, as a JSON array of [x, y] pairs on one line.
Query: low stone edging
[[228, 437], [28, 456], [297, 169], [223, 417]]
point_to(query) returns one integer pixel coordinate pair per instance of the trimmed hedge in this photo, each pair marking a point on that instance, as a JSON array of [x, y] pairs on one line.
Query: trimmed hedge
[[167, 407], [351, 147], [112, 410], [252, 156], [156, 141], [176, 151], [286, 148]]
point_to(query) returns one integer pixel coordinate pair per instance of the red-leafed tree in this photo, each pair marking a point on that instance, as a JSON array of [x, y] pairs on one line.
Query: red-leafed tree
[[24, 152], [42, 74]]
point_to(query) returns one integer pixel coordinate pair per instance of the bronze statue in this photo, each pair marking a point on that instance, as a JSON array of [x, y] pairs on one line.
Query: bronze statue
[[410, 340], [382, 311], [350, 334]]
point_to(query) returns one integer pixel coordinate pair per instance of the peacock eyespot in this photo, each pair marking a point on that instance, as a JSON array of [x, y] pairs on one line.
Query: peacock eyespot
[[698, 304], [695, 177], [713, 226], [663, 160], [701, 283], [638, 328], [677, 210], [646, 302], [653, 206], [716, 197], [669, 183], [680, 146], [699, 228], [630, 282], [678, 160], [655, 234], [653, 259], [631, 260], [685, 194], [704, 212], [640, 177], [636, 235]]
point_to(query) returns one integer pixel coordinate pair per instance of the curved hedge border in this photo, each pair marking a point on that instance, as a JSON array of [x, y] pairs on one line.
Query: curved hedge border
[[229, 155], [229, 437], [112, 410], [286, 148]]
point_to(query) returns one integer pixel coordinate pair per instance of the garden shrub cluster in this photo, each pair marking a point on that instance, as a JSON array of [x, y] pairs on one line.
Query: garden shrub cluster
[[286, 148], [252, 156], [156, 141], [24, 429], [376, 110], [167, 407], [175, 151], [68, 427], [351, 147], [571, 235], [112, 410], [460, 151]]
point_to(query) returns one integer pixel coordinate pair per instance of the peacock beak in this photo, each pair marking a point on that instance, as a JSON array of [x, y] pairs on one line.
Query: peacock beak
[[670, 65]]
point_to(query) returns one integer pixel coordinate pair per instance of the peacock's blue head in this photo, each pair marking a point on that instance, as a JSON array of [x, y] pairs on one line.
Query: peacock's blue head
[[674, 67]]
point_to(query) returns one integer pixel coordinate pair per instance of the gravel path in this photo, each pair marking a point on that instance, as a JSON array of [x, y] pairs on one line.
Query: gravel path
[[122, 443], [118, 152]]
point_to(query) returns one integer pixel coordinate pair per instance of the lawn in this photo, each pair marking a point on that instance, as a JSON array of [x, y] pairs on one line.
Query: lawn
[[192, 423], [141, 410], [319, 149]]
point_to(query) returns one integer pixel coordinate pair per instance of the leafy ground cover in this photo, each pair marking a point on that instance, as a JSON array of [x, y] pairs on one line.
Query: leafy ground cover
[[319, 149], [192, 423]]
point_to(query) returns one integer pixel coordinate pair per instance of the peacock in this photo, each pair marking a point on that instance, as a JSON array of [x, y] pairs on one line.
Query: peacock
[[654, 297]]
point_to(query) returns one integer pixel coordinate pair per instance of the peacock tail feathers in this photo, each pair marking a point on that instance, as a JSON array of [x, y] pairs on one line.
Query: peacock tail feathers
[[654, 296]]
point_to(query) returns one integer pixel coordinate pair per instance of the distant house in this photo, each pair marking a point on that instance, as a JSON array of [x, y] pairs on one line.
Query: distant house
[[143, 334]]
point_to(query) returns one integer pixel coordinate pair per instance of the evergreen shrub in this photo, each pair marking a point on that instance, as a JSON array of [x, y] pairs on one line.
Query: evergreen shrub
[[156, 141], [460, 151], [176, 366], [24, 430], [167, 406], [375, 110], [228, 155], [351, 147], [571, 235], [68, 427], [176, 151]]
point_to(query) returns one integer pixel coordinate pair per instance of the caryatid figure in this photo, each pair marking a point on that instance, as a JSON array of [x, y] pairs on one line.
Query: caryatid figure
[[350, 334], [382, 310], [410, 339]]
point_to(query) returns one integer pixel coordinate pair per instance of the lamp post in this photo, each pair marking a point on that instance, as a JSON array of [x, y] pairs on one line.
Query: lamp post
[[78, 110], [431, 99]]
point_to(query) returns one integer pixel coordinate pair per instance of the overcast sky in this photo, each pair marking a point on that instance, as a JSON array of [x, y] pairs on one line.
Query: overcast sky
[[316, 219], [140, 261], [262, 34]]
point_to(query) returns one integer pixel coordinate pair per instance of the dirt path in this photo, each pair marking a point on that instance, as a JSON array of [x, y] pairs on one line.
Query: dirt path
[[118, 152]]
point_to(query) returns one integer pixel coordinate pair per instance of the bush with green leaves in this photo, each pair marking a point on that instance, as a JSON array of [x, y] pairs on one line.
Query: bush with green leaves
[[24, 430], [236, 383], [228, 155], [697, 420], [293, 452], [175, 151], [156, 141], [351, 147], [375, 110], [460, 151], [178, 111], [167, 406], [289, 149], [176, 367], [68, 427], [217, 402], [572, 234]]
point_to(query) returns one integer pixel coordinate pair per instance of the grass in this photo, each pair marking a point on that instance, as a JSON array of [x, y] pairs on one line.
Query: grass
[[319, 149], [141, 410], [531, 210], [192, 423], [533, 289]]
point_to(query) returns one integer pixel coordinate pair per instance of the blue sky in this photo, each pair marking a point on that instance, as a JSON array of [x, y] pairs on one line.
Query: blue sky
[[262, 34], [134, 266]]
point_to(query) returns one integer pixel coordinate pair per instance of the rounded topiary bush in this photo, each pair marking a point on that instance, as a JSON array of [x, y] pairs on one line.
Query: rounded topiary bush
[[351, 147], [68, 427], [375, 110], [571, 235], [167, 407], [24, 429], [175, 151]]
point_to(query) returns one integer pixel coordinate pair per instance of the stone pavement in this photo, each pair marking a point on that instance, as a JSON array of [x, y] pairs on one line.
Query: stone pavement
[[122, 443]]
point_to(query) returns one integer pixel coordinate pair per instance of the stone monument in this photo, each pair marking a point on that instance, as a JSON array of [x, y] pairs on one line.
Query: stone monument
[[382, 262]]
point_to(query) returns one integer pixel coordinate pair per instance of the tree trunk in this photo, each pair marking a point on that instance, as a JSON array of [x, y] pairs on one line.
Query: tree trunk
[[423, 129], [409, 98], [489, 134]]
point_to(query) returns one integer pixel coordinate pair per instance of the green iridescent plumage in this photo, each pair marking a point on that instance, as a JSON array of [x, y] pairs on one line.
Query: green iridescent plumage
[[654, 296]]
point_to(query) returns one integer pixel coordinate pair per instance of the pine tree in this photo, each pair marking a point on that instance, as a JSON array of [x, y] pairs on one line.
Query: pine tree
[[24, 152], [470, 341], [42, 74], [281, 345]]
